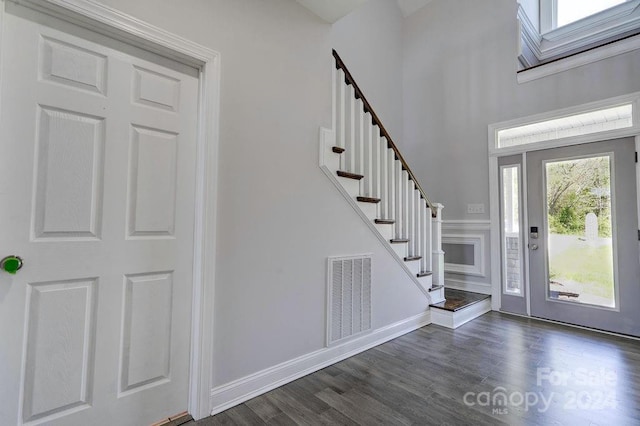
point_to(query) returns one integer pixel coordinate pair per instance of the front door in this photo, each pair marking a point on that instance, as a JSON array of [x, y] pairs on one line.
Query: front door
[[97, 183], [583, 235]]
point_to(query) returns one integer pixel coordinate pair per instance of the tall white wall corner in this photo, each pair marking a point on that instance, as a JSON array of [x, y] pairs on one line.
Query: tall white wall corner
[[438, 254], [327, 141], [638, 180]]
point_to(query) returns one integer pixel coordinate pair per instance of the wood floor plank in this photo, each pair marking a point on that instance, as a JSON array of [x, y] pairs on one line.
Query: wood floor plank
[[263, 408], [243, 415], [435, 375], [295, 408], [345, 405]]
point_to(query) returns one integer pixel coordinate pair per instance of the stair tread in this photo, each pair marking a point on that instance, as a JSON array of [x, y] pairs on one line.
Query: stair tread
[[399, 240], [425, 274], [436, 287], [456, 300], [337, 149], [385, 221], [368, 199], [410, 258], [349, 175]]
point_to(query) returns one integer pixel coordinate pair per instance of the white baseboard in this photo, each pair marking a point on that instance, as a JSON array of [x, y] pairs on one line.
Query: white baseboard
[[231, 394], [472, 286], [454, 320]]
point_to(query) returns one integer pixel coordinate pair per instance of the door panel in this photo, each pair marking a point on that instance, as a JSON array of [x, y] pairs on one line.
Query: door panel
[[97, 196], [571, 269]]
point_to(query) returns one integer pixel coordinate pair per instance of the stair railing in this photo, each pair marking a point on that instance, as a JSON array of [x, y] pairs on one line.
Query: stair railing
[[387, 179], [366, 107]]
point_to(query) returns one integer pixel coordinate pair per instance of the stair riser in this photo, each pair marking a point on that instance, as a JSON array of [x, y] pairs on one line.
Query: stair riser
[[400, 249], [414, 266], [455, 319], [425, 282], [369, 209], [350, 185], [332, 161], [385, 230]]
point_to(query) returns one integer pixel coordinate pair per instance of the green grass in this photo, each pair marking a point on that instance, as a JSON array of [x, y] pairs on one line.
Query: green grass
[[590, 266]]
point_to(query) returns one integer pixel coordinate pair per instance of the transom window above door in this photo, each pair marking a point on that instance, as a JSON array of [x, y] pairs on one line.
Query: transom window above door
[[601, 120]]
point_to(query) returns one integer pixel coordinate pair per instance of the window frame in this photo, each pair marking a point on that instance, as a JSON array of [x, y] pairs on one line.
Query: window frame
[[541, 44], [549, 16]]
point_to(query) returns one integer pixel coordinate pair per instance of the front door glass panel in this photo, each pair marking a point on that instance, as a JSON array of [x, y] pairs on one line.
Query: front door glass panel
[[579, 231]]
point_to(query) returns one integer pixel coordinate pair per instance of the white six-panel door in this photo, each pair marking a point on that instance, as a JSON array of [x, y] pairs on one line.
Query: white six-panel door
[[97, 176]]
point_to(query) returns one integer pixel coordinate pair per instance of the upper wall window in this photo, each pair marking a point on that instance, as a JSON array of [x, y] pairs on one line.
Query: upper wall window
[[557, 29], [568, 11]]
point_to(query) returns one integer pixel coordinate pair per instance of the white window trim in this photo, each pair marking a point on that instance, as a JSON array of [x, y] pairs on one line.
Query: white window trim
[[541, 46]]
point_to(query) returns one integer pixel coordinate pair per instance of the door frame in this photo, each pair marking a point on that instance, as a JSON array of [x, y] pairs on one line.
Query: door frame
[[494, 152], [120, 26]]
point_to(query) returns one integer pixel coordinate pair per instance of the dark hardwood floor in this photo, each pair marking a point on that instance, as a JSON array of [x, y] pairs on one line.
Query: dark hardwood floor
[[497, 369]]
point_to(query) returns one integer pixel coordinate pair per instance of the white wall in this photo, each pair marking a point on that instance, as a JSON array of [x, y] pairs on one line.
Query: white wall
[[369, 41], [279, 217]]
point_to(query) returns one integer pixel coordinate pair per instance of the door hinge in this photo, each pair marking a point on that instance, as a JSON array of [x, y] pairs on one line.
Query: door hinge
[[636, 156], [638, 234]]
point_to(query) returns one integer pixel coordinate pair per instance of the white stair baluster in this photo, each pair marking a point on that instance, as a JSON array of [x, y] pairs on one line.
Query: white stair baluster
[[369, 169], [350, 135], [405, 204], [422, 214], [391, 184], [376, 170], [335, 95], [383, 175], [391, 208], [428, 242], [398, 196], [411, 209], [360, 141], [341, 114], [416, 220]]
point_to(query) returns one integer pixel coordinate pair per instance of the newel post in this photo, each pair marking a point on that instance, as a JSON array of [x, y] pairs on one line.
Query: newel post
[[438, 253]]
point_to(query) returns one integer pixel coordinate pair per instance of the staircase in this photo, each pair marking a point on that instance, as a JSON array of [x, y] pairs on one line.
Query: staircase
[[360, 158]]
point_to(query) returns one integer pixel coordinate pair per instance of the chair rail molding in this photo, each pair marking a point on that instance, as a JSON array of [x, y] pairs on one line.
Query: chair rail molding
[[466, 225], [117, 25]]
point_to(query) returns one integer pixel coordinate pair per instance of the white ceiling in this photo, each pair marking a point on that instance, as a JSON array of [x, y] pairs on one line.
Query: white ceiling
[[332, 10], [410, 6]]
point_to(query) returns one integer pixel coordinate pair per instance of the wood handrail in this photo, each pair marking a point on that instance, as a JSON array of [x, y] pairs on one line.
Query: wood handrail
[[383, 132]]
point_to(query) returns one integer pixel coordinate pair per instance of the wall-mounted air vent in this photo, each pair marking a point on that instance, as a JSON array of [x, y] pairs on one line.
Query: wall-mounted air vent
[[349, 302]]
